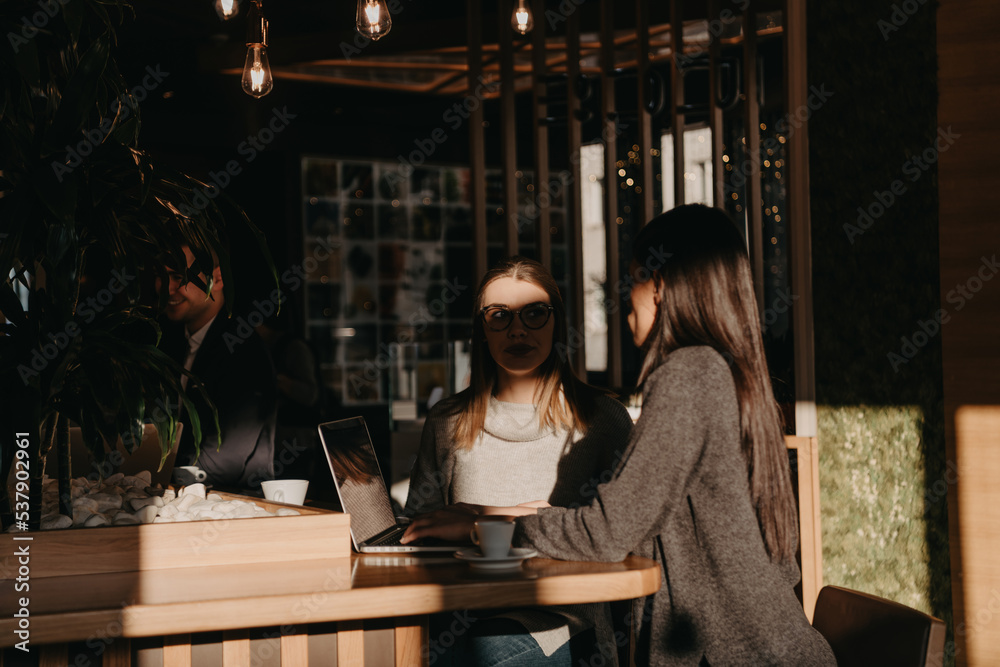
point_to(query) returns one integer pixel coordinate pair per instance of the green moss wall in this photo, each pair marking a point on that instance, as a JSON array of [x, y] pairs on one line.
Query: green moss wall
[[876, 283]]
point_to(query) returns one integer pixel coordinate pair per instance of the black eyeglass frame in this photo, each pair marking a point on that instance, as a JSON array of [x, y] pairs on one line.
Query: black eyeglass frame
[[549, 308]]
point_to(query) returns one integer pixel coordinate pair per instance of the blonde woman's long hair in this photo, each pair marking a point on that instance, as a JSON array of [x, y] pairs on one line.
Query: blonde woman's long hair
[[562, 398]]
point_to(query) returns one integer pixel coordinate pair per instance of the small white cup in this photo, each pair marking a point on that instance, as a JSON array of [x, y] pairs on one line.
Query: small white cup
[[493, 535], [290, 491], [185, 475]]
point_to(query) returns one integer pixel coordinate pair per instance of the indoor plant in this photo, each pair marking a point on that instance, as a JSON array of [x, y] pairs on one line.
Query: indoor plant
[[87, 218]]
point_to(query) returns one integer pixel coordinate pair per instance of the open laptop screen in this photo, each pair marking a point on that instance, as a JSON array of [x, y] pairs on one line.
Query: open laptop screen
[[358, 476]]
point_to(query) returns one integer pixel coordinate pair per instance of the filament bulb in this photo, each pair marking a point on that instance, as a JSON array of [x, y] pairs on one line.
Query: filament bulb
[[227, 9], [522, 21], [373, 19], [257, 81]]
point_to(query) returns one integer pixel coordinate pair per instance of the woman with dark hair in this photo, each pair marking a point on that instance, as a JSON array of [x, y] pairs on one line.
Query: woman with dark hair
[[526, 429], [704, 488]]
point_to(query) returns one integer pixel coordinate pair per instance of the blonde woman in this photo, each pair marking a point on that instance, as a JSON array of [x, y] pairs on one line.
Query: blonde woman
[[526, 429]]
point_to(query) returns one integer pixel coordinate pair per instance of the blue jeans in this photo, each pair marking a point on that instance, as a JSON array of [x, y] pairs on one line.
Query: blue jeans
[[496, 642]]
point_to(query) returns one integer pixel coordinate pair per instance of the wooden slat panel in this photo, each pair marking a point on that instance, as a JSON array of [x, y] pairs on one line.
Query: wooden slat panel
[[751, 120], [177, 651], [350, 644], [645, 121], [539, 73], [810, 532], [477, 141], [977, 465], [714, 112], [411, 638], [574, 225], [969, 93], [508, 129], [799, 222], [611, 218], [52, 655], [118, 653], [677, 96], [295, 650], [236, 648]]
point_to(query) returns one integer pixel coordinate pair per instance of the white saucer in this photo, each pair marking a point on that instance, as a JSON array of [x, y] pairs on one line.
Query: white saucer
[[477, 561]]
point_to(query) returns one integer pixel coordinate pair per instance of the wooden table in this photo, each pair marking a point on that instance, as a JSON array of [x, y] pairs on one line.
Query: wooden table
[[364, 609]]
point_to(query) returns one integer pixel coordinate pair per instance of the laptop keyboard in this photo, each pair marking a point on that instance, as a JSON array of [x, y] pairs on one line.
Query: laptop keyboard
[[390, 540]]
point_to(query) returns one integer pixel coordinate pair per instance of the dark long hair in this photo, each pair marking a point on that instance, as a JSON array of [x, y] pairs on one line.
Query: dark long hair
[[700, 263], [558, 381]]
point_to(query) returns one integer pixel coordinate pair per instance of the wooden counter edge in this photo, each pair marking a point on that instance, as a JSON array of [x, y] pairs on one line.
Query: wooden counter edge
[[338, 605]]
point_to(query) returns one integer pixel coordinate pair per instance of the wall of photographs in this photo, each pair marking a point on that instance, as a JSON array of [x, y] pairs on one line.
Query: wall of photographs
[[394, 283]]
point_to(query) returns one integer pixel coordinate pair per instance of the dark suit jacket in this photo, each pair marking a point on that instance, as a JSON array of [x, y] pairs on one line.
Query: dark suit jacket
[[234, 366]]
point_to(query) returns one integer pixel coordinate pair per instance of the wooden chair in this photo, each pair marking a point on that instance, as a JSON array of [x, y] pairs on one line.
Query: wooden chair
[[803, 454], [865, 630]]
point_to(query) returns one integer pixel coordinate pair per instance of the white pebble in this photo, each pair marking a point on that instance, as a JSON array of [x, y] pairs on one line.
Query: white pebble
[[214, 496], [106, 501], [147, 514], [125, 519], [145, 476], [96, 520], [286, 511], [243, 512], [85, 503], [184, 503], [168, 510], [197, 489], [224, 507], [56, 522], [114, 479], [168, 495], [139, 503]]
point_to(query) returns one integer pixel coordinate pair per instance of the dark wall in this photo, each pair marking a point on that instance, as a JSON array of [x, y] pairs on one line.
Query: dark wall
[[876, 287]]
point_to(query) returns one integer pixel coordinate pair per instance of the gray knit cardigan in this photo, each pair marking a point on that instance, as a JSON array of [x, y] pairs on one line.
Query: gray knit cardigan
[[681, 497]]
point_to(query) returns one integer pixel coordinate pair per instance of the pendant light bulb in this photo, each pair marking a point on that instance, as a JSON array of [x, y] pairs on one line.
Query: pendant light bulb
[[522, 21], [257, 80], [227, 9], [373, 20]]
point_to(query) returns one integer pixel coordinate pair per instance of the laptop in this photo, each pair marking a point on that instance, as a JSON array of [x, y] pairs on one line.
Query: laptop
[[361, 489], [145, 457]]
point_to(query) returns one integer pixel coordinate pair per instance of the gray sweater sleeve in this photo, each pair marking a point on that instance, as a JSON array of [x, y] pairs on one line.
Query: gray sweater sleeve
[[429, 478], [680, 401]]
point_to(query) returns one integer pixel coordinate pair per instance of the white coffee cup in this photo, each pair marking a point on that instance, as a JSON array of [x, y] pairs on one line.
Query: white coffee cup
[[185, 475], [290, 491], [493, 535]]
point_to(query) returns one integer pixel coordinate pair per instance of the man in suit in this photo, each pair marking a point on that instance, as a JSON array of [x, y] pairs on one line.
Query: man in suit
[[238, 378]]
